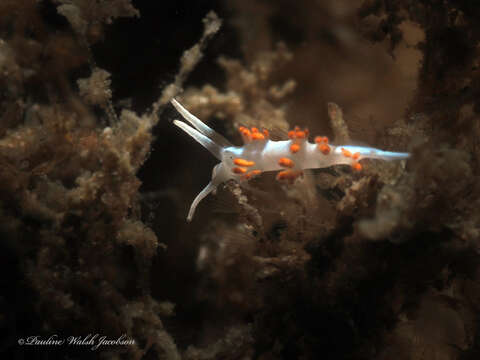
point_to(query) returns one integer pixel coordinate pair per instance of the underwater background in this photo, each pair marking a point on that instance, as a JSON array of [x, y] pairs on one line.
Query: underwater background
[[96, 181]]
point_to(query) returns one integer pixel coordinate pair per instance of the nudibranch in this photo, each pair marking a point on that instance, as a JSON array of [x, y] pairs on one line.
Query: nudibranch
[[260, 154]]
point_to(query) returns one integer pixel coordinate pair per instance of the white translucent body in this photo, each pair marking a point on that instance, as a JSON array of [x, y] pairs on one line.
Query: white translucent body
[[266, 154]]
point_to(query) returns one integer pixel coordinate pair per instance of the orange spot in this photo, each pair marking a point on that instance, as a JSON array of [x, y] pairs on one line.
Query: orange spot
[[346, 153], [239, 170], [296, 133], [254, 130], [357, 166], [266, 133], [251, 174], [294, 148], [356, 156], [247, 136], [289, 175], [243, 129], [300, 134], [243, 162], [284, 175], [325, 149], [321, 139], [286, 162], [258, 136]]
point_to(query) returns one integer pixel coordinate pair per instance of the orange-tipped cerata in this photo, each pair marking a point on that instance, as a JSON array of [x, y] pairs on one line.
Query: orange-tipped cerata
[[321, 139], [294, 148], [251, 174], [239, 170], [357, 166], [286, 162], [258, 136], [346, 153], [243, 162], [324, 148], [289, 175]]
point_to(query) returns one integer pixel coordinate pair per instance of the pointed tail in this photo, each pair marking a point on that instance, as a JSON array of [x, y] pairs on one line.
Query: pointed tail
[[372, 153]]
